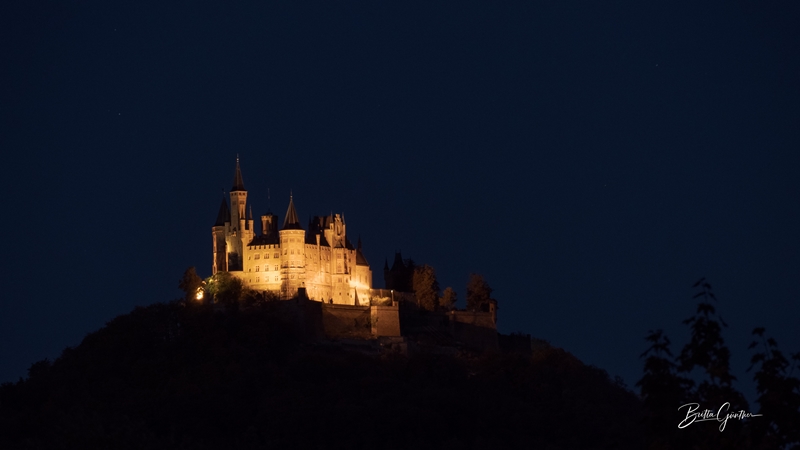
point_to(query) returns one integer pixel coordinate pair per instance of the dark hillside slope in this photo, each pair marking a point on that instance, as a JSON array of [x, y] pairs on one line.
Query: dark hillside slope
[[174, 376]]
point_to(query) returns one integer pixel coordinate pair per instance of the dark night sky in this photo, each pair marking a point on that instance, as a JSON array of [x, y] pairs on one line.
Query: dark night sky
[[591, 161]]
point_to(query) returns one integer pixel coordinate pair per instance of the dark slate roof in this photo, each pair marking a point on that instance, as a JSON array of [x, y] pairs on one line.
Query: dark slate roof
[[311, 238], [224, 214], [360, 259], [291, 222], [238, 184], [322, 241], [266, 239], [347, 244], [316, 225], [398, 262]]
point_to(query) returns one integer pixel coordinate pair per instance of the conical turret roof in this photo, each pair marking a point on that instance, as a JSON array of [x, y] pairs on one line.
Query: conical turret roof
[[291, 222], [238, 183], [224, 214]]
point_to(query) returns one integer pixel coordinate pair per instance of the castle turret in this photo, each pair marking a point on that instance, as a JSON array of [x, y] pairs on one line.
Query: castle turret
[[220, 262], [238, 205], [292, 238], [238, 196]]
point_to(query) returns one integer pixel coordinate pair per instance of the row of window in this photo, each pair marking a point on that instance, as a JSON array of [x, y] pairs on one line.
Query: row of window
[[266, 256], [266, 279]]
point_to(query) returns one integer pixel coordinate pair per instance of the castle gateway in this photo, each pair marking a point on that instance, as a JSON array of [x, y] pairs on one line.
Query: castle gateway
[[320, 259]]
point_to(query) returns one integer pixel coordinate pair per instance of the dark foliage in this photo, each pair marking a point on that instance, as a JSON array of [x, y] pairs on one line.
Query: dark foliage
[[701, 374], [479, 293], [663, 391], [426, 288], [447, 302], [778, 395], [192, 375], [190, 283]]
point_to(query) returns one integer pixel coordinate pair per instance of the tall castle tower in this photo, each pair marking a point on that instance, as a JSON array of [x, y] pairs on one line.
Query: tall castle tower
[[322, 260], [292, 238]]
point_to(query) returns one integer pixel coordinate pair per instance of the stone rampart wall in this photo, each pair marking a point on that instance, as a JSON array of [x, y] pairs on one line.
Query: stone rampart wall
[[385, 320], [346, 321]]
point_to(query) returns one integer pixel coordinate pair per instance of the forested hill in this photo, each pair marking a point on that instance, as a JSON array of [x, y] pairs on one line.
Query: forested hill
[[189, 376]]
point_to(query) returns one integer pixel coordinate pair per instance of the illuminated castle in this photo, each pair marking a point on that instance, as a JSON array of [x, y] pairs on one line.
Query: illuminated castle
[[320, 259]]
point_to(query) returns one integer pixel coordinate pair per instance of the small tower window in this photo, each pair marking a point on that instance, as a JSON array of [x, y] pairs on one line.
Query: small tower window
[[266, 255], [257, 256], [256, 268]]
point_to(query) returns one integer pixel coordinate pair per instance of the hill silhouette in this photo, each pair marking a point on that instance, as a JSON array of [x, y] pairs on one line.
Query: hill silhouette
[[180, 375]]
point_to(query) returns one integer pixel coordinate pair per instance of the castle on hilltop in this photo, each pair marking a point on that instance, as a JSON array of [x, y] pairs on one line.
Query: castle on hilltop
[[329, 282], [320, 259]]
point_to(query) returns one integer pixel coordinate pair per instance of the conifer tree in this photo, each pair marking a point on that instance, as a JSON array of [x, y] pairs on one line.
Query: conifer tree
[[706, 351], [426, 287], [778, 395]]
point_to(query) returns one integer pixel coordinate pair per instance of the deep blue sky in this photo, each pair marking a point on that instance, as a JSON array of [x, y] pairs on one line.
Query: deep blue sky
[[591, 161]]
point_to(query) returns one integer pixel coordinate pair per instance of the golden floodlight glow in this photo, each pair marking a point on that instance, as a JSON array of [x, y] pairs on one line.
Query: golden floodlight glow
[[199, 294]]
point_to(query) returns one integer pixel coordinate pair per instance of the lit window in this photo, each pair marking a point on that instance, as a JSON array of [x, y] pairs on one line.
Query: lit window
[[276, 278], [266, 255], [256, 268], [257, 256], [277, 255], [276, 268], [285, 252], [257, 279]]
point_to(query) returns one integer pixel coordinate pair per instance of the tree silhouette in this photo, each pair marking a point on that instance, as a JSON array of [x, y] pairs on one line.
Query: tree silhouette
[[663, 391], [426, 287], [448, 299], [666, 382], [190, 283], [778, 395], [478, 293]]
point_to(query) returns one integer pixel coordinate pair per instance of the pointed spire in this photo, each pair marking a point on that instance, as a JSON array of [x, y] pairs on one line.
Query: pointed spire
[[224, 214], [360, 259], [238, 184], [398, 262], [291, 222], [250, 216]]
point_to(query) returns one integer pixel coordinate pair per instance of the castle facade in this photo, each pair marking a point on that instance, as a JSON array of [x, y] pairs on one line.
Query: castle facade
[[320, 259]]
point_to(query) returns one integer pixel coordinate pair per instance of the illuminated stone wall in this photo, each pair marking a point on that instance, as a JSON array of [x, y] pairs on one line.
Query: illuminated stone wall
[[325, 264]]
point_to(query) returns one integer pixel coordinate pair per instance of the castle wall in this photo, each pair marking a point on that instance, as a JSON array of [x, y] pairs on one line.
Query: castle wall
[[474, 328], [346, 321], [385, 320], [262, 267]]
